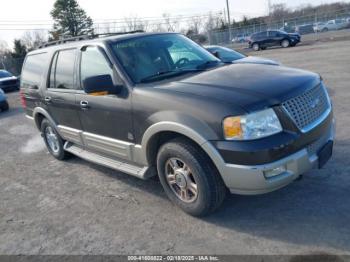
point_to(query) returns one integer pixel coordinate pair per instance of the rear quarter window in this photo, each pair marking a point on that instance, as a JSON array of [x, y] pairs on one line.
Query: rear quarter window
[[33, 70]]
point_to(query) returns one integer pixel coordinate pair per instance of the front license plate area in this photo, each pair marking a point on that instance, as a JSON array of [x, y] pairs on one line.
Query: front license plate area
[[325, 154]]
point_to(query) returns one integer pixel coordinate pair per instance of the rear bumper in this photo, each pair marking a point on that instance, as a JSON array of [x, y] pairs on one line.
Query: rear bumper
[[252, 179]]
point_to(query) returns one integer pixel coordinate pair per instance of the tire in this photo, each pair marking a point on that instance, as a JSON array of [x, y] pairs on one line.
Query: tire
[[210, 188], [256, 47], [58, 152], [324, 30], [5, 106], [285, 43]]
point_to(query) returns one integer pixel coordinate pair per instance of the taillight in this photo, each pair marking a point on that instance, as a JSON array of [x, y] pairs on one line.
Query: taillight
[[23, 100]]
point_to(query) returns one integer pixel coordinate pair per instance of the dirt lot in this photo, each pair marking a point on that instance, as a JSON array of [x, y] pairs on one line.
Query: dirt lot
[[74, 207]]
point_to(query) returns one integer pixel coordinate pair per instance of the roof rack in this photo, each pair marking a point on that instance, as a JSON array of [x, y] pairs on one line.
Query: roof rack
[[86, 37]]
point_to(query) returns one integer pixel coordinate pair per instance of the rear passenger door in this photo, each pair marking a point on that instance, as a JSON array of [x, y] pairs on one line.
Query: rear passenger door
[[274, 38], [60, 94]]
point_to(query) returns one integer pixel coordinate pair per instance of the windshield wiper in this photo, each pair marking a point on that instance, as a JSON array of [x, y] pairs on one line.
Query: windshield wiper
[[169, 72]]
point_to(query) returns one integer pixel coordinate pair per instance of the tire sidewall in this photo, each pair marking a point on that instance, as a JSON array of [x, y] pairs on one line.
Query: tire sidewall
[[285, 41], [61, 153], [172, 150], [256, 47]]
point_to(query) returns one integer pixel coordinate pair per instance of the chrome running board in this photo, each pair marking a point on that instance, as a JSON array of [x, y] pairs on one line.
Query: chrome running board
[[120, 165]]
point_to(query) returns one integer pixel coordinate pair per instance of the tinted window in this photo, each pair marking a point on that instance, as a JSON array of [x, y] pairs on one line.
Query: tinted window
[[33, 69], [63, 70], [148, 56], [93, 63], [273, 33], [4, 74]]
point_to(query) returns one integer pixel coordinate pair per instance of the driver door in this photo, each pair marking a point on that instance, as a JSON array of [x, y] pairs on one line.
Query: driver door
[[106, 119]]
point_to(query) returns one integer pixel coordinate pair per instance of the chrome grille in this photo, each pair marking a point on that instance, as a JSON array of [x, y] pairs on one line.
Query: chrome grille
[[309, 108]]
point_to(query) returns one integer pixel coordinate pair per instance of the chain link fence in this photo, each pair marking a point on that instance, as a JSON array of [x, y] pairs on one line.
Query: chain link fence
[[311, 24]]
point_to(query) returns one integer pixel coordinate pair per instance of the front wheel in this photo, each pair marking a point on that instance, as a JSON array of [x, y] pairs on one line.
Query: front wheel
[[256, 47], [285, 43], [189, 178], [53, 141]]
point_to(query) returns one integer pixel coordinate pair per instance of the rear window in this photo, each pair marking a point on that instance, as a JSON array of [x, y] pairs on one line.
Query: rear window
[[4, 74], [33, 69]]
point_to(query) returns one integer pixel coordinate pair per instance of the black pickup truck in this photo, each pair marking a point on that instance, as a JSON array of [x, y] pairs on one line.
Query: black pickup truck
[[151, 103]]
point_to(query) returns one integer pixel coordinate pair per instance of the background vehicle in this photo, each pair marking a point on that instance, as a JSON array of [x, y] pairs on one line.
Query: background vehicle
[[305, 29], [318, 26], [336, 24], [228, 55], [271, 38], [142, 102], [3, 102], [8, 82], [242, 38]]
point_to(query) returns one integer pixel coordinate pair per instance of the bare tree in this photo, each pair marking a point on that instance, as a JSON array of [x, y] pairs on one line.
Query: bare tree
[[33, 39], [171, 24], [195, 24], [133, 23]]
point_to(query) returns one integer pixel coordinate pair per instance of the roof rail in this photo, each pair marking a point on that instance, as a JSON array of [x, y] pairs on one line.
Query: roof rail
[[86, 37]]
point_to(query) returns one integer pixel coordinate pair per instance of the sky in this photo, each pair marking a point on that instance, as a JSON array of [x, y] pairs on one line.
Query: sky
[[35, 13]]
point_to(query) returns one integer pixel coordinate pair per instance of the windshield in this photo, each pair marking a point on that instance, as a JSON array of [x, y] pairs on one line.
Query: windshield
[[147, 57], [4, 74]]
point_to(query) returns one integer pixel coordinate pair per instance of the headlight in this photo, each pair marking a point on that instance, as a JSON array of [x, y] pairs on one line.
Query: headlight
[[253, 126]]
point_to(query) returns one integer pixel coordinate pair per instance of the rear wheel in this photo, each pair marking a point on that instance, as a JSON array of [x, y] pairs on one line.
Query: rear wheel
[[189, 178], [53, 141], [285, 43], [325, 30], [256, 47]]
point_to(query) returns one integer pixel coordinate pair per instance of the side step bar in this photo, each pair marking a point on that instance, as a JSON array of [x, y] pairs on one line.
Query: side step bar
[[137, 171]]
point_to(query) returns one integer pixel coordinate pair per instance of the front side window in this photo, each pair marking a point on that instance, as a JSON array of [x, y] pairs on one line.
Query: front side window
[[62, 70], [93, 63], [148, 56]]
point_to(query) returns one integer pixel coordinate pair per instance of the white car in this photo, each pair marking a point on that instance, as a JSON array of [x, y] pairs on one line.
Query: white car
[[335, 24]]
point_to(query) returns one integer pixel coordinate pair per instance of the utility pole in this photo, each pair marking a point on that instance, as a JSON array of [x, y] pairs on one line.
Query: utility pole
[[229, 20]]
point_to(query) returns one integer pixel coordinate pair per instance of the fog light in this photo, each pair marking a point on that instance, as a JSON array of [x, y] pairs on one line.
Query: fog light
[[274, 172]]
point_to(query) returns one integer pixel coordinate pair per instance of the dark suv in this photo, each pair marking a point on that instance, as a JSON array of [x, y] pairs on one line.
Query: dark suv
[[148, 104], [271, 38]]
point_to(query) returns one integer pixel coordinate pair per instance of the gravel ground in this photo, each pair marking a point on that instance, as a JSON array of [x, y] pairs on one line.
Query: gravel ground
[[74, 207]]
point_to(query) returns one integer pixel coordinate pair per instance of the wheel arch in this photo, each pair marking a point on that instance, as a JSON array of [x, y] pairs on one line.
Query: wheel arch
[[39, 114], [160, 133]]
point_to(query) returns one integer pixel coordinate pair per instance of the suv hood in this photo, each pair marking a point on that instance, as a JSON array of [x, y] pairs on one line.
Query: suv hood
[[251, 86]]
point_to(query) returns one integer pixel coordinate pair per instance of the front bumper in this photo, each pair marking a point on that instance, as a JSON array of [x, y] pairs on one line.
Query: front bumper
[[251, 179], [11, 87]]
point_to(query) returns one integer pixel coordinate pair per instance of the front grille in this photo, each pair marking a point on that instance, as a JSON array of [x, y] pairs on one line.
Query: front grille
[[308, 108]]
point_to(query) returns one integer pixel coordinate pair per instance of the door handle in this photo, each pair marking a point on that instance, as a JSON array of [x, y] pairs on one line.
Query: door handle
[[84, 104], [47, 99]]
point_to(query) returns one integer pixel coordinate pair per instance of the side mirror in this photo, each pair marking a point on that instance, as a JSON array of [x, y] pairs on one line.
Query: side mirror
[[217, 54], [101, 84]]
